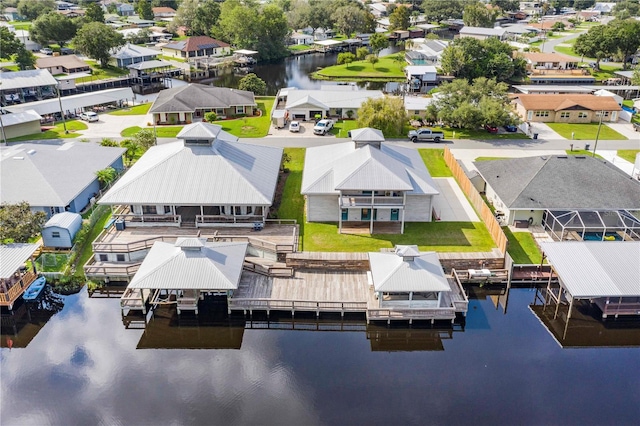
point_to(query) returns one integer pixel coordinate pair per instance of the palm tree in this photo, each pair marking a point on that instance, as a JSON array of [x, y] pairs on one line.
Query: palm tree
[[132, 147]]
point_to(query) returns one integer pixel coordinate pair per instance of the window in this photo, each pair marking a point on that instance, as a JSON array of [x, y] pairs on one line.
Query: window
[[237, 210], [565, 114], [104, 258], [542, 113], [529, 115], [582, 115], [249, 209], [240, 109], [55, 234], [602, 113], [258, 211], [120, 257], [149, 210], [167, 209]]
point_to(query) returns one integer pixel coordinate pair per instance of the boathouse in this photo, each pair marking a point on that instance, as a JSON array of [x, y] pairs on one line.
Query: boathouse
[[182, 273], [15, 277]]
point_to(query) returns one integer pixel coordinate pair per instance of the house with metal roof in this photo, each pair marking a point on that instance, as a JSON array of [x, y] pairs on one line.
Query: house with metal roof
[[189, 103], [27, 86], [207, 178], [132, 54], [196, 47], [421, 78], [568, 195], [566, 108], [367, 184], [409, 279], [482, 33], [61, 229], [15, 277], [330, 101], [54, 178]]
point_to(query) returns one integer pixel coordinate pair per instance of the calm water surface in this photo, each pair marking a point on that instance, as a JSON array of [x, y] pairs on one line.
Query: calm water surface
[[84, 367]]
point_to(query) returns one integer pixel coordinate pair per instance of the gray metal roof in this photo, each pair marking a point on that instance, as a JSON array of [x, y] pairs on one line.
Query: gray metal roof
[[20, 118], [64, 220], [418, 272], [560, 182], [331, 168], [130, 51], [337, 96], [226, 173], [192, 96], [146, 65], [73, 102], [28, 78], [596, 268], [212, 266], [13, 256], [51, 174]]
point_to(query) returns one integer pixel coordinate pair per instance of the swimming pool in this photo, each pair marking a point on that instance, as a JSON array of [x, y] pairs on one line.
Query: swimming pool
[[597, 236]]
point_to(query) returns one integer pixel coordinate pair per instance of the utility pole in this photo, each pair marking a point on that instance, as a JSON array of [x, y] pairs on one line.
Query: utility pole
[[64, 121], [595, 146]]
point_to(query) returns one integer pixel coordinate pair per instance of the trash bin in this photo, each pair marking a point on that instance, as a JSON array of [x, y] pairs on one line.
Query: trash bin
[[586, 146], [120, 225], [535, 136]]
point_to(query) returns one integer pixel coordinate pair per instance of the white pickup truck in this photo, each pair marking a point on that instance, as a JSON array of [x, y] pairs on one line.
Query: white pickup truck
[[322, 127], [421, 135]]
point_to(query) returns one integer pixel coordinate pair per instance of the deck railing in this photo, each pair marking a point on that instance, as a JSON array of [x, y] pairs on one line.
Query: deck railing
[[295, 305], [358, 200], [16, 290], [430, 313], [134, 219], [217, 219], [99, 247], [613, 308], [111, 270], [272, 271]]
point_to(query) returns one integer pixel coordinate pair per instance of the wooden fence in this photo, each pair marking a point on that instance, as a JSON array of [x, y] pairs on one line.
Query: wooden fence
[[477, 202]]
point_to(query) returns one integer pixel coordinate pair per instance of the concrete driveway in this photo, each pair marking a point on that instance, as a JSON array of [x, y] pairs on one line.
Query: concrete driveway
[[626, 129], [110, 126], [543, 131], [451, 205]]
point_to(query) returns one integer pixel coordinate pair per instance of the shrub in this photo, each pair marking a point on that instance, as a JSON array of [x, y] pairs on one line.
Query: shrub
[[211, 116]]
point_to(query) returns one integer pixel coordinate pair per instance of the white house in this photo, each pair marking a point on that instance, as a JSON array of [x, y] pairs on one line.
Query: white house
[[330, 101], [482, 33], [301, 38], [421, 78], [367, 182]]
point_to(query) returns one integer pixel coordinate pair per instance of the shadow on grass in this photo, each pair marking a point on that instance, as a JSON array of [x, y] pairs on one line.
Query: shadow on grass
[[522, 247]]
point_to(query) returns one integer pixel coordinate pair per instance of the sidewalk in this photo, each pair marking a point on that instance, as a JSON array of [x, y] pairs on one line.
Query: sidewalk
[[621, 163]]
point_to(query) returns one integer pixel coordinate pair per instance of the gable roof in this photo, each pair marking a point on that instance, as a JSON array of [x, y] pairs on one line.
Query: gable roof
[[331, 96], [497, 32], [560, 182], [20, 117], [66, 61], [201, 266], [366, 134], [329, 169], [307, 102], [391, 272], [51, 175], [28, 78], [227, 172], [64, 220], [13, 256], [193, 44], [129, 51], [555, 102], [192, 96], [548, 57]]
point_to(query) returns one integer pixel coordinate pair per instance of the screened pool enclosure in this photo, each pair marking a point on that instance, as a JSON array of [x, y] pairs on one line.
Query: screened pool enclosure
[[592, 225]]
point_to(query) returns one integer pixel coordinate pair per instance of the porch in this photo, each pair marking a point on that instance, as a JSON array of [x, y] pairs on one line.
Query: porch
[[191, 216], [365, 228], [12, 288]]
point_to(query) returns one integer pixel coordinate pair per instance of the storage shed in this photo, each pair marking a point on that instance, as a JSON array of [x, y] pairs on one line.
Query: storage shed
[[60, 230]]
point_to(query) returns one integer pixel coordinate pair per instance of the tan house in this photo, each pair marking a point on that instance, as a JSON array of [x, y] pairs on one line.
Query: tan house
[[67, 64], [549, 61], [566, 108], [196, 47]]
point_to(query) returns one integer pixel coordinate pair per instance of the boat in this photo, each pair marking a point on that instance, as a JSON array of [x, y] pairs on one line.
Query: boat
[[35, 289]]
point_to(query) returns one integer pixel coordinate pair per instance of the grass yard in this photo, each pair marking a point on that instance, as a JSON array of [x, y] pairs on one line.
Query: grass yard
[[582, 152], [87, 250], [439, 236], [300, 47], [585, 131], [172, 58], [605, 72], [434, 160], [451, 133], [161, 131], [628, 154], [251, 127], [52, 262], [100, 73], [522, 247], [57, 132], [21, 25], [386, 69], [136, 110], [342, 127]]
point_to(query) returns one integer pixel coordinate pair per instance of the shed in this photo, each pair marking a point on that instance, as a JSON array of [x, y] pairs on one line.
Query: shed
[[60, 230]]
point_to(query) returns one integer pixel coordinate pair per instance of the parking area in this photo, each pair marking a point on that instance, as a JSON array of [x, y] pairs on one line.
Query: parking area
[[451, 205], [306, 131]]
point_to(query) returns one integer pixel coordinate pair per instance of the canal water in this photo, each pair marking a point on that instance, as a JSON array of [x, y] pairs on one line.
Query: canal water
[[73, 362]]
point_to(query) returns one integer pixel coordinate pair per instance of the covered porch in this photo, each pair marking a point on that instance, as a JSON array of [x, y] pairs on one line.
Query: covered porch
[[191, 216], [15, 275]]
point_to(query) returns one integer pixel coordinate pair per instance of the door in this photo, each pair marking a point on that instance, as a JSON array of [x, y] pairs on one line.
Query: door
[[365, 214], [345, 214], [395, 213]]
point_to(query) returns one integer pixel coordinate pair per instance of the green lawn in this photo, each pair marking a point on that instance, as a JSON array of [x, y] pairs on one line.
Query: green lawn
[[434, 160], [87, 250], [386, 69], [585, 131], [161, 131], [300, 47], [342, 127], [582, 152], [52, 262], [251, 127], [451, 133], [605, 72], [57, 132], [21, 25], [142, 109], [628, 154], [439, 236], [100, 73], [172, 58], [522, 247]]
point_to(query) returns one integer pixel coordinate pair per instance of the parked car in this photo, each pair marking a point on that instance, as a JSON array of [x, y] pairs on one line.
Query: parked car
[[89, 116], [294, 126], [490, 129], [510, 128], [424, 135], [322, 127], [66, 51], [46, 51]]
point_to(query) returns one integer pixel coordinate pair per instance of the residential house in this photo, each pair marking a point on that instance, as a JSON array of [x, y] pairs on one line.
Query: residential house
[[301, 38], [421, 78], [566, 108], [206, 178], [72, 13], [534, 190], [417, 105], [547, 24], [11, 14], [549, 61], [163, 13], [378, 10], [196, 47], [55, 178], [67, 64], [330, 101], [61, 229], [189, 103], [602, 92], [19, 124], [531, 7], [132, 54], [151, 76], [367, 183], [138, 22], [24, 37], [125, 9], [603, 7], [423, 51], [482, 33], [27, 86], [64, 5], [15, 277]]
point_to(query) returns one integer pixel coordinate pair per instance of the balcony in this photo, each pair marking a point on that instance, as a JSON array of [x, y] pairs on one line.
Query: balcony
[[371, 201], [16, 288]]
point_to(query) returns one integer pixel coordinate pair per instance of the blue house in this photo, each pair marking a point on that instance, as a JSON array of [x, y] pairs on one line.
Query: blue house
[[55, 178], [60, 230]]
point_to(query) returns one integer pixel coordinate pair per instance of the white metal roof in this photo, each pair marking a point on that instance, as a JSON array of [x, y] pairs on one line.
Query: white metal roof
[[367, 134], [417, 272], [20, 118], [331, 168], [13, 256], [133, 51], [73, 102], [420, 69], [28, 78], [210, 266], [245, 52], [63, 220], [307, 101], [327, 42], [596, 268], [146, 65], [482, 31], [200, 130], [225, 173], [416, 103], [334, 96]]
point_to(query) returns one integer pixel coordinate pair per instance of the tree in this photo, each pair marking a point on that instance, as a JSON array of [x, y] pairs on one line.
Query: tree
[[93, 13], [96, 40], [31, 9], [140, 37], [145, 138], [378, 41], [24, 59], [361, 53], [206, 18], [143, 7], [132, 148], [106, 176], [210, 116], [18, 223], [558, 26], [506, 5], [438, 10], [345, 58], [386, 114], [626, 8], [373, 60], [185, 14], [400, 19], [53, 26], [10, 47], [108, 142], [272, 32], [635, 78], [626, 36], [583, 4], [595, 43], [349, 19], [253, 83], [478, 15]]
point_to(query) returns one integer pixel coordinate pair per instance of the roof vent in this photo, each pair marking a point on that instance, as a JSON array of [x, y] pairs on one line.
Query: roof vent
[[408, 253], [18, 158], [562, 156], [31, 151], [190, 243]]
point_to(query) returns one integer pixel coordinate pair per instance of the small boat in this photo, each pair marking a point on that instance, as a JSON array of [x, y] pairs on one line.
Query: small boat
[[35, 289]]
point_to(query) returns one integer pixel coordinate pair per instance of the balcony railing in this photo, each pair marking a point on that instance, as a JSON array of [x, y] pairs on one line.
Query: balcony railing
[[368, 201], [16, 290], [148, 218], [222, 219]]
